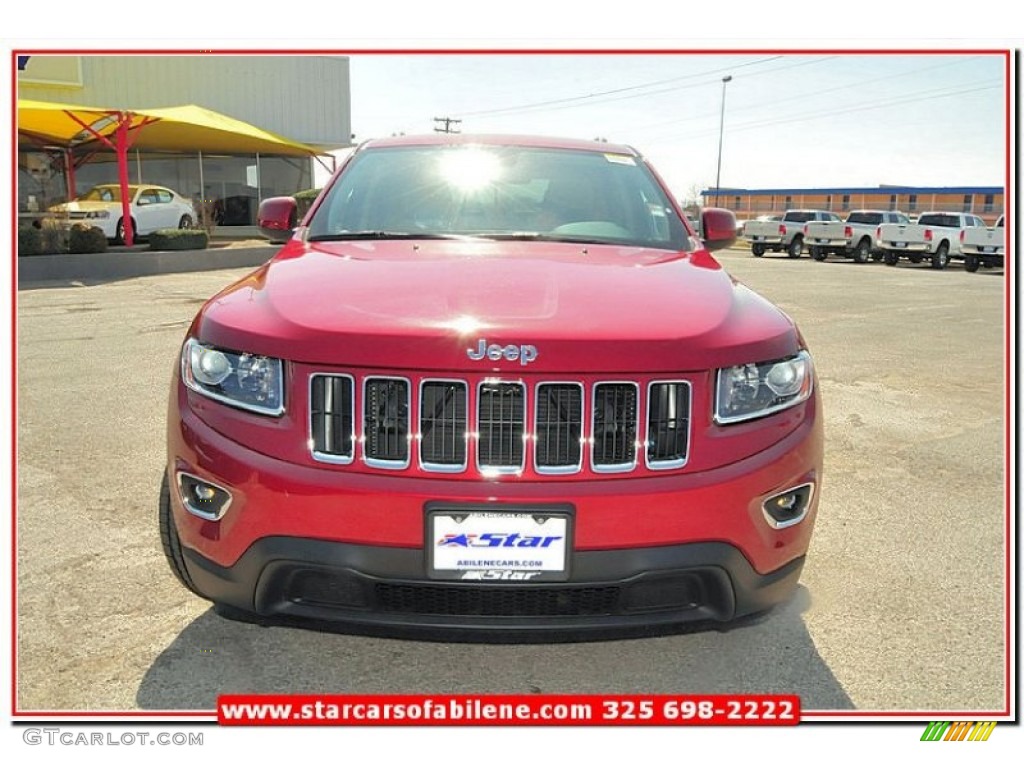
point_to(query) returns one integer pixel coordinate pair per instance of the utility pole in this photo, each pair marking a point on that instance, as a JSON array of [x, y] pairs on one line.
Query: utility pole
[[721, 128], [446, 125]]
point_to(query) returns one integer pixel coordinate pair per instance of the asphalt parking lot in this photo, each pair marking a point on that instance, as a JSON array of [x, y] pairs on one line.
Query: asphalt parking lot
[[901, 605]]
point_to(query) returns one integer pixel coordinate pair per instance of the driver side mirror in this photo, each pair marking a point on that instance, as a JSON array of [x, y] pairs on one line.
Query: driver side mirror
[[718, 228]]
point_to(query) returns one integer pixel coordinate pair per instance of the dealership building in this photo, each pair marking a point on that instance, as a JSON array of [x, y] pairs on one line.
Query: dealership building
[[985, 202], [302, 99]]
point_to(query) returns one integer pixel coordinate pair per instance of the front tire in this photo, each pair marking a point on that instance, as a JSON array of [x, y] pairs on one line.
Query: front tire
[[170, 541], [941, 257], [119, 232], [796, 248]]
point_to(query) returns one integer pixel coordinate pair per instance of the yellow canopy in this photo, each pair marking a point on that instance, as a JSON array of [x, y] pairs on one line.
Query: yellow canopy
[[188, 128]]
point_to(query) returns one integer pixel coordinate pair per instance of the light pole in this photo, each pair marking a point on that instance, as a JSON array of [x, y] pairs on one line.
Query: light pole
[[721, 129]]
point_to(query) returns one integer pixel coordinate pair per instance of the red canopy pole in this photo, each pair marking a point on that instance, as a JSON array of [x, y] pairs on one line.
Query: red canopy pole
[[121, 142]]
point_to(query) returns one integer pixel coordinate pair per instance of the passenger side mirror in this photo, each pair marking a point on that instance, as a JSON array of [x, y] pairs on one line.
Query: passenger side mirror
[[277, 218]]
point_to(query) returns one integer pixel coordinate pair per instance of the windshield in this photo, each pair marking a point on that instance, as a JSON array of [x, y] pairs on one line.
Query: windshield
[[104, 194], [500, 192]]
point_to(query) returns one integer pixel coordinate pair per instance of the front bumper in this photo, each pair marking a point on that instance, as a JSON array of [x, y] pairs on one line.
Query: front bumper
[[331, 544], [384, 587]]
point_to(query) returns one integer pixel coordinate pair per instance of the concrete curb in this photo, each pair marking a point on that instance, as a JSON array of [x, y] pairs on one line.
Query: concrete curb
[[99, 267]]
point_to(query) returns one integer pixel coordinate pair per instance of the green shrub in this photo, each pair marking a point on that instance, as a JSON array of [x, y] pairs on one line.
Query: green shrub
[[303, 200], [178, 240], [85, 239], [30, 241]]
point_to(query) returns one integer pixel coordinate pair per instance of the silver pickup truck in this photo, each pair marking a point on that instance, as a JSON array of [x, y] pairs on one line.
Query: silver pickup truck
[[936, 235], [854, 238], [784, 235], [983, 247]]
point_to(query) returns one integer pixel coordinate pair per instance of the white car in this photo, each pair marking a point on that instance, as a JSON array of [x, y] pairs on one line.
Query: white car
[[152, 208]]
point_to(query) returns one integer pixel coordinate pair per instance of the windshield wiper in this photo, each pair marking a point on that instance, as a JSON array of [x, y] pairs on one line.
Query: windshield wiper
[[379, 234]]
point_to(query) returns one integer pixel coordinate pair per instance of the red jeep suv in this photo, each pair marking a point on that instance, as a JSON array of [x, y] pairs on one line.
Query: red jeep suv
[[492, 383]]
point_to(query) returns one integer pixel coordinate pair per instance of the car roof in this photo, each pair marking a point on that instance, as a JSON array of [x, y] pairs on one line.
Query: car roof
[[470, 139]]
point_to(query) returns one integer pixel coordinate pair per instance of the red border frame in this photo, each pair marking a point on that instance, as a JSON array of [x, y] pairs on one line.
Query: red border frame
[[913, 716]]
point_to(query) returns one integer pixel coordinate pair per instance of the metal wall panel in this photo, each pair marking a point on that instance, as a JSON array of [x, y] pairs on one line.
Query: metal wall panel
[[305, 98]]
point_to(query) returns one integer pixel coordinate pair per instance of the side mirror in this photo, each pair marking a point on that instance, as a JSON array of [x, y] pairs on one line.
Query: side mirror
[[277, 218], [718, 228]]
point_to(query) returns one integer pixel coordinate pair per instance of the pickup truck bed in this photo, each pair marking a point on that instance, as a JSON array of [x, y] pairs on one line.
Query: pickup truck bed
[[983, 247]]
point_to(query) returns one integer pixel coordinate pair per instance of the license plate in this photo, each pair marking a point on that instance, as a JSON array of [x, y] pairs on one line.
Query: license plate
[[900, 245], [498, 546], [822, 240], [755, 238], [989, 249]]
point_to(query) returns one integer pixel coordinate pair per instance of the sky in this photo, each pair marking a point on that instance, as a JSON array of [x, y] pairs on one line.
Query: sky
[[790, 120]]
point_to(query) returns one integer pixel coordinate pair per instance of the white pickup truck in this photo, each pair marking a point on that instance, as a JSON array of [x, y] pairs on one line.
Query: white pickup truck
[[983, 247], [853, 238], [784, 235], [936, 235]]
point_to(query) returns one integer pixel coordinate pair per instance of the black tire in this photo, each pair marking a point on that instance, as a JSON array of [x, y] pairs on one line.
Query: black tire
[[891, 258], [186, 222], [796, 248], [971, 263], [818, 254], [119, 232], [941, 257], [757, 249], [862, 253], [170, 541]]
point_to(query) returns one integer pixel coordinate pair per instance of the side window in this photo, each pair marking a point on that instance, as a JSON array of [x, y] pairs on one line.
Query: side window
[[163, 196]]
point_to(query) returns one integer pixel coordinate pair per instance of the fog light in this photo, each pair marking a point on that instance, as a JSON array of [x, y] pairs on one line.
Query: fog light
[[789, 507], [202, 498]]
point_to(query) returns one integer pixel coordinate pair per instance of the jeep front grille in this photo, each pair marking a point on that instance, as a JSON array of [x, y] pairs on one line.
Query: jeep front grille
[[499, 427]]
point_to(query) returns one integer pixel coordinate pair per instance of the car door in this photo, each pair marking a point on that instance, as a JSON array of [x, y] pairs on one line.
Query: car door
[[147, 211]]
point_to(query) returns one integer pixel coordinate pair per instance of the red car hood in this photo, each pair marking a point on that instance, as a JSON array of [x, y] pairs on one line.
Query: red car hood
[[421, 305]]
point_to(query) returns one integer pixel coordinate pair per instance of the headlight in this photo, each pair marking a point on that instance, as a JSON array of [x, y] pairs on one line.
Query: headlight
[[252, 382], [757, 389], [98, 215]]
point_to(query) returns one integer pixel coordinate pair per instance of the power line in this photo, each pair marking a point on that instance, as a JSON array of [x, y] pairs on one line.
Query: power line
[[571, 100]]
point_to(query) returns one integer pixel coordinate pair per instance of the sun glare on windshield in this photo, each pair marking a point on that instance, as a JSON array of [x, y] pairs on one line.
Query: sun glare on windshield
[[470, 169]]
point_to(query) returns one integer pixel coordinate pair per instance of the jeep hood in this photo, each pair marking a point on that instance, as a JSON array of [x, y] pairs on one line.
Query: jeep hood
[[420, 305]]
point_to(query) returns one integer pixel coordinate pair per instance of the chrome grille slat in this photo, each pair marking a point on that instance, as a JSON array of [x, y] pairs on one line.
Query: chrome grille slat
[[443, 425], [668, 424], [614, 427], [501, 426], [332, 417], [559, 428], [384, 416], [386, 422]]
